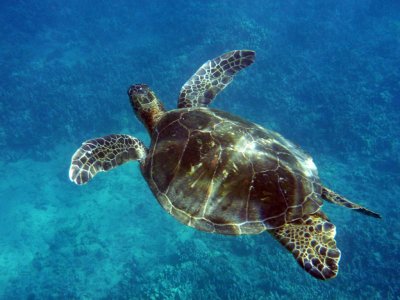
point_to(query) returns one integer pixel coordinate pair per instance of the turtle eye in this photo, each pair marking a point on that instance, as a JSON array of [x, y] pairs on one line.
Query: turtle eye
[[140, 90], [136, 88]]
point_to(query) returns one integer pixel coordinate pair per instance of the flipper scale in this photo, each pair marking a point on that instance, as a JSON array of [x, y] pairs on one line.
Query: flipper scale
[[104, 154], [212, 77], [311, 241]]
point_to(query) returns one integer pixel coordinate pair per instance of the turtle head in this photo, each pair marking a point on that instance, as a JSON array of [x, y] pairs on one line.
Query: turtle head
[[146, 105]]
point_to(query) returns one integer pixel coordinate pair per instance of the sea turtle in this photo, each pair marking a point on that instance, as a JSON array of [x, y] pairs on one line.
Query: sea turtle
[[219, 173]]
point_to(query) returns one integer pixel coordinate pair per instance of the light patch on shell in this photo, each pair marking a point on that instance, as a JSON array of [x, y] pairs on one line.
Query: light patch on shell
[[193, 169], [234, 167], [244, 145], [309, 167]]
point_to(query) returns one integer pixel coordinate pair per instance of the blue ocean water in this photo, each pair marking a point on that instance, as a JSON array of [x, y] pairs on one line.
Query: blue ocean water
[[326, 77]]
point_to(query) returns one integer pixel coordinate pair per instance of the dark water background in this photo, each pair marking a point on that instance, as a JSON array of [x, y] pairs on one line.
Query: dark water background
[[327, 77]]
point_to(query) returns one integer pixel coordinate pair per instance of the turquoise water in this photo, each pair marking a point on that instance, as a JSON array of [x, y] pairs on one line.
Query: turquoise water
[[326, 77]]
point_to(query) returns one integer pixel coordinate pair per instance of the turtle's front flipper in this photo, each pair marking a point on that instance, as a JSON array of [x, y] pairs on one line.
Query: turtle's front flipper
[[212, 77], [103, 154], [313, 245], [332, 197]]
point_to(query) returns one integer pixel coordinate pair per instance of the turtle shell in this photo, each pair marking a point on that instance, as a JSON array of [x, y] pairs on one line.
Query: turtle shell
[[219, 173]]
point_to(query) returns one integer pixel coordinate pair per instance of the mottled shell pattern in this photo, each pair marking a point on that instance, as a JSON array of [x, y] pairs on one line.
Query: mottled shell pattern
[[218, 173]]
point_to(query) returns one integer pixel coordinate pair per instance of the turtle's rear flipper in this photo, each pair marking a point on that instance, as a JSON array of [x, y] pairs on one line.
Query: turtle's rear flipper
[[212, 77], [332, 197], [103, 154], [313, 245]]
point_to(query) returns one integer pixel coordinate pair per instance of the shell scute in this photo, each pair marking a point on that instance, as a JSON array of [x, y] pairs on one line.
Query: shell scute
[[219, 173]]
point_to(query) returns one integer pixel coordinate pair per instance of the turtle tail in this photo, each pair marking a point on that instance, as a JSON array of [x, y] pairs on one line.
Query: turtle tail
[[334, 198]]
